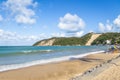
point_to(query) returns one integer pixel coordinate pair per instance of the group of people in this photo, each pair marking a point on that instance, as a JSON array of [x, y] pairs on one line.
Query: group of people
[[114, 48]]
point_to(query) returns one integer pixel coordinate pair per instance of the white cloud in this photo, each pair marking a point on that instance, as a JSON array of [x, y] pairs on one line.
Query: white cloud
[[1, 18], [109, 27], [21, 10], [105, 27], [71, 23], [24, 19], [14, 38], [76, 34], [58, 35], [117, 21], [101, 27], [79, 34], [90, 31]]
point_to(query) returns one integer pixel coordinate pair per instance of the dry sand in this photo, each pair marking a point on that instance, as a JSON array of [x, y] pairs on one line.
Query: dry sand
[[112, 73], [57, 71]]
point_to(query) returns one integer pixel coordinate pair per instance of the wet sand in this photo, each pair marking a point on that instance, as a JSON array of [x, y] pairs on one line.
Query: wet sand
[[57, 71]]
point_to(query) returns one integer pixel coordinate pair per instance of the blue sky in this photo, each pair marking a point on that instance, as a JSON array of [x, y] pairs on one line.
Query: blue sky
[[25, 22]]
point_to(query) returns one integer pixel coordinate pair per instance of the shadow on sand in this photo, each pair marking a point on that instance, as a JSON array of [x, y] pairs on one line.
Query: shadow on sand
[[86, 59]]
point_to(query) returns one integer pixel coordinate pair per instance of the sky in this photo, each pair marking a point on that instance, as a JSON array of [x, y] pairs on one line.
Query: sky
[[23, 22]]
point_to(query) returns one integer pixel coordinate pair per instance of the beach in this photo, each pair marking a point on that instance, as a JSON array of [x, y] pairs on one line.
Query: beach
[[59, 39], [112, 73], [63, 70]]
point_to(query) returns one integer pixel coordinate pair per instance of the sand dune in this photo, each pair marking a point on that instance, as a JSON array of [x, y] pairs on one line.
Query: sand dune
[[93, 37]]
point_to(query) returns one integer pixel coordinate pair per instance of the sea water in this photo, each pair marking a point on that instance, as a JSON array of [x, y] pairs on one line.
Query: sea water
[[14, 57]]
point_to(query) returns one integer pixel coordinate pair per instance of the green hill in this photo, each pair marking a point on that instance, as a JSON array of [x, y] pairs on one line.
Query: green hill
[[64, 41], [72, 40], [112, 37]]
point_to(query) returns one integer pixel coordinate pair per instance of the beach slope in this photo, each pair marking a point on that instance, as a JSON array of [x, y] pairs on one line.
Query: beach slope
[[57, 71]]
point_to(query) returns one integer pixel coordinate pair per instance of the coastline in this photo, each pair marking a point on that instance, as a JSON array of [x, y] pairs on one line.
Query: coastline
[[43, 62], [57, 71]]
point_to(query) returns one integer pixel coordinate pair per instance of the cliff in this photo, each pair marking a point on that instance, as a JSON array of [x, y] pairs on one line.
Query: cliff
[[63, 41], [88, 39], [46, 42]]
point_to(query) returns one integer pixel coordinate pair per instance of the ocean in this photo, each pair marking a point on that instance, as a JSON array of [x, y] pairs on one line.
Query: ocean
[[14, 57]]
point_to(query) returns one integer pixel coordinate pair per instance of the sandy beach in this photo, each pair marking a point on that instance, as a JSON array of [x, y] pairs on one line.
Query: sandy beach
[[112, 73], [58, 71]]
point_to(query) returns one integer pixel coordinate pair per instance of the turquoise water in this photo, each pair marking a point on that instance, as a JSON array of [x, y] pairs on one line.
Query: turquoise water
[[31, 55]]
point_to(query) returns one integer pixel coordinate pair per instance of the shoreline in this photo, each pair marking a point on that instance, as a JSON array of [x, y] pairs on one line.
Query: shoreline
[[57, 71], [93, 73], [43, 62]]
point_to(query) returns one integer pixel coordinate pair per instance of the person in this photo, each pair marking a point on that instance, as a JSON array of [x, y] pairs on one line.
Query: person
[[115, 48]]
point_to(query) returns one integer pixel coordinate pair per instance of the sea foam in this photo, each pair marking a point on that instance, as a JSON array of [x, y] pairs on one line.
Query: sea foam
[[33, 51], [38, 62]]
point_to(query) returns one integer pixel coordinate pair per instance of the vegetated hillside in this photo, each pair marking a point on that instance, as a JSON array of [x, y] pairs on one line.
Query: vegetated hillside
[[45, 42], [73, 40], [112, 37], [63, 41]]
